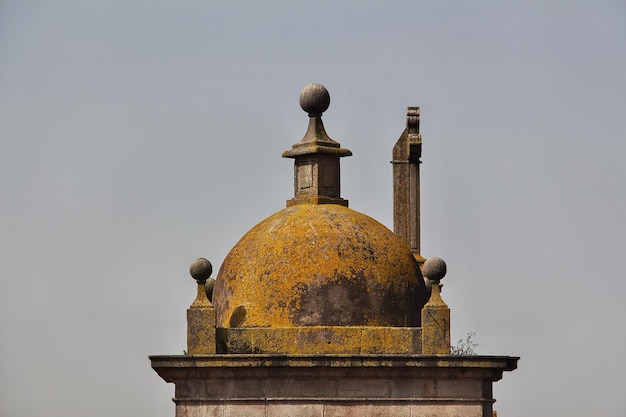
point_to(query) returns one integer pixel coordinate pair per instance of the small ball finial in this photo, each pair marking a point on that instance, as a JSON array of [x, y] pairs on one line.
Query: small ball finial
[[435, 269], [314, 99], [201, 269]]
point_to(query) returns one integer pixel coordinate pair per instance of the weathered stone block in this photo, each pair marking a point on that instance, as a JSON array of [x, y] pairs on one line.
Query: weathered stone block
[[345, 410], [294, 409], [203, 410], [447, 410], [448, 388], [201, 337], [366, 410], [374, 388], [247, 409], [412, 388]]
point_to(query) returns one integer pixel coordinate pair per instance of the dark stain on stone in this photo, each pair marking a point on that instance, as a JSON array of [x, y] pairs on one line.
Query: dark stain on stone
[[238, 316], [357, 301]]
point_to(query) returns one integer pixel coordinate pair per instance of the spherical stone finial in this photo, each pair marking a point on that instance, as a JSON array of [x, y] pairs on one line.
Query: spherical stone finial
[[201, 269], [208, 287], [435, 269], [314, 99]]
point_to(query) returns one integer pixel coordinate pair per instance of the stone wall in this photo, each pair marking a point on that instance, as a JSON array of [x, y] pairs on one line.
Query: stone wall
[[333, 385]]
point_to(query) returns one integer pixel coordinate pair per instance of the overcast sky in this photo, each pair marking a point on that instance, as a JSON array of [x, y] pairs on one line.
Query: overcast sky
[[136, 136]]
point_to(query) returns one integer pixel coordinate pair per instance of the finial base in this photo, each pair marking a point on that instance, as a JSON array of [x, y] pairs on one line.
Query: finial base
[[201, 322], [316, 199], [436, 324], [201, 331]]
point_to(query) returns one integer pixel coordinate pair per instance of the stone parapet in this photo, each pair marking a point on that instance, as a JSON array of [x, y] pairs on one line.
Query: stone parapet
[[320, 340]]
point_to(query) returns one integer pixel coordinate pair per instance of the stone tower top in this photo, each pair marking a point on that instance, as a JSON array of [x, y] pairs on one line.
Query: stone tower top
[[322, 310]]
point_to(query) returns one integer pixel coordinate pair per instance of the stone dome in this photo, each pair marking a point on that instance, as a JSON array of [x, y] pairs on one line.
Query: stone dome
[[319, 265]]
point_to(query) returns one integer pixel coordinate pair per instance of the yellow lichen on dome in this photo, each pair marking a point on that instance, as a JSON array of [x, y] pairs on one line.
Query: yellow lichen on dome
[[319, 265]]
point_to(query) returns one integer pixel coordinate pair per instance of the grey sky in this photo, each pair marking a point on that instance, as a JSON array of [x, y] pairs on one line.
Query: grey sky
[[136, 136]]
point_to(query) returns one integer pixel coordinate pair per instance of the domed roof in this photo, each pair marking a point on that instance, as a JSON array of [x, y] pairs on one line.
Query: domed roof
[[319, 265], [317, 262]]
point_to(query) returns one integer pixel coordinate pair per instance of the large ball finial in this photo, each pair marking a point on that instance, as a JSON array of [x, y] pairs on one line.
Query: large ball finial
[[435, 269], [314, 99], [201, 269]]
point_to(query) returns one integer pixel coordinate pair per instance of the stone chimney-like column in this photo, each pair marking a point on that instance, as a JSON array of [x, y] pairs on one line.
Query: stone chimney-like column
[[406, 183]]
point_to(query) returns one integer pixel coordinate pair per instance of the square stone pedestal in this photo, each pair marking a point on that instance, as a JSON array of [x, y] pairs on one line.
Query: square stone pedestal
[[333, 385]]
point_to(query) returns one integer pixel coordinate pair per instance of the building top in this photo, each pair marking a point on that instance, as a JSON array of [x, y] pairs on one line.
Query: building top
[[321, 310], [319, 265], [319, 277]]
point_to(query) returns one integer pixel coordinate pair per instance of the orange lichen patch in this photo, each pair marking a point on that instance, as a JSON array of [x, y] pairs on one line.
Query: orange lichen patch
[[436, 324], [201, 330], [320, 340], [391, 340], [319, 265]]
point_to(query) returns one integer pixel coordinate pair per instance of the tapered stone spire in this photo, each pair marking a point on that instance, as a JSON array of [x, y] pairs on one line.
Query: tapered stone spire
[[316, 167]]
